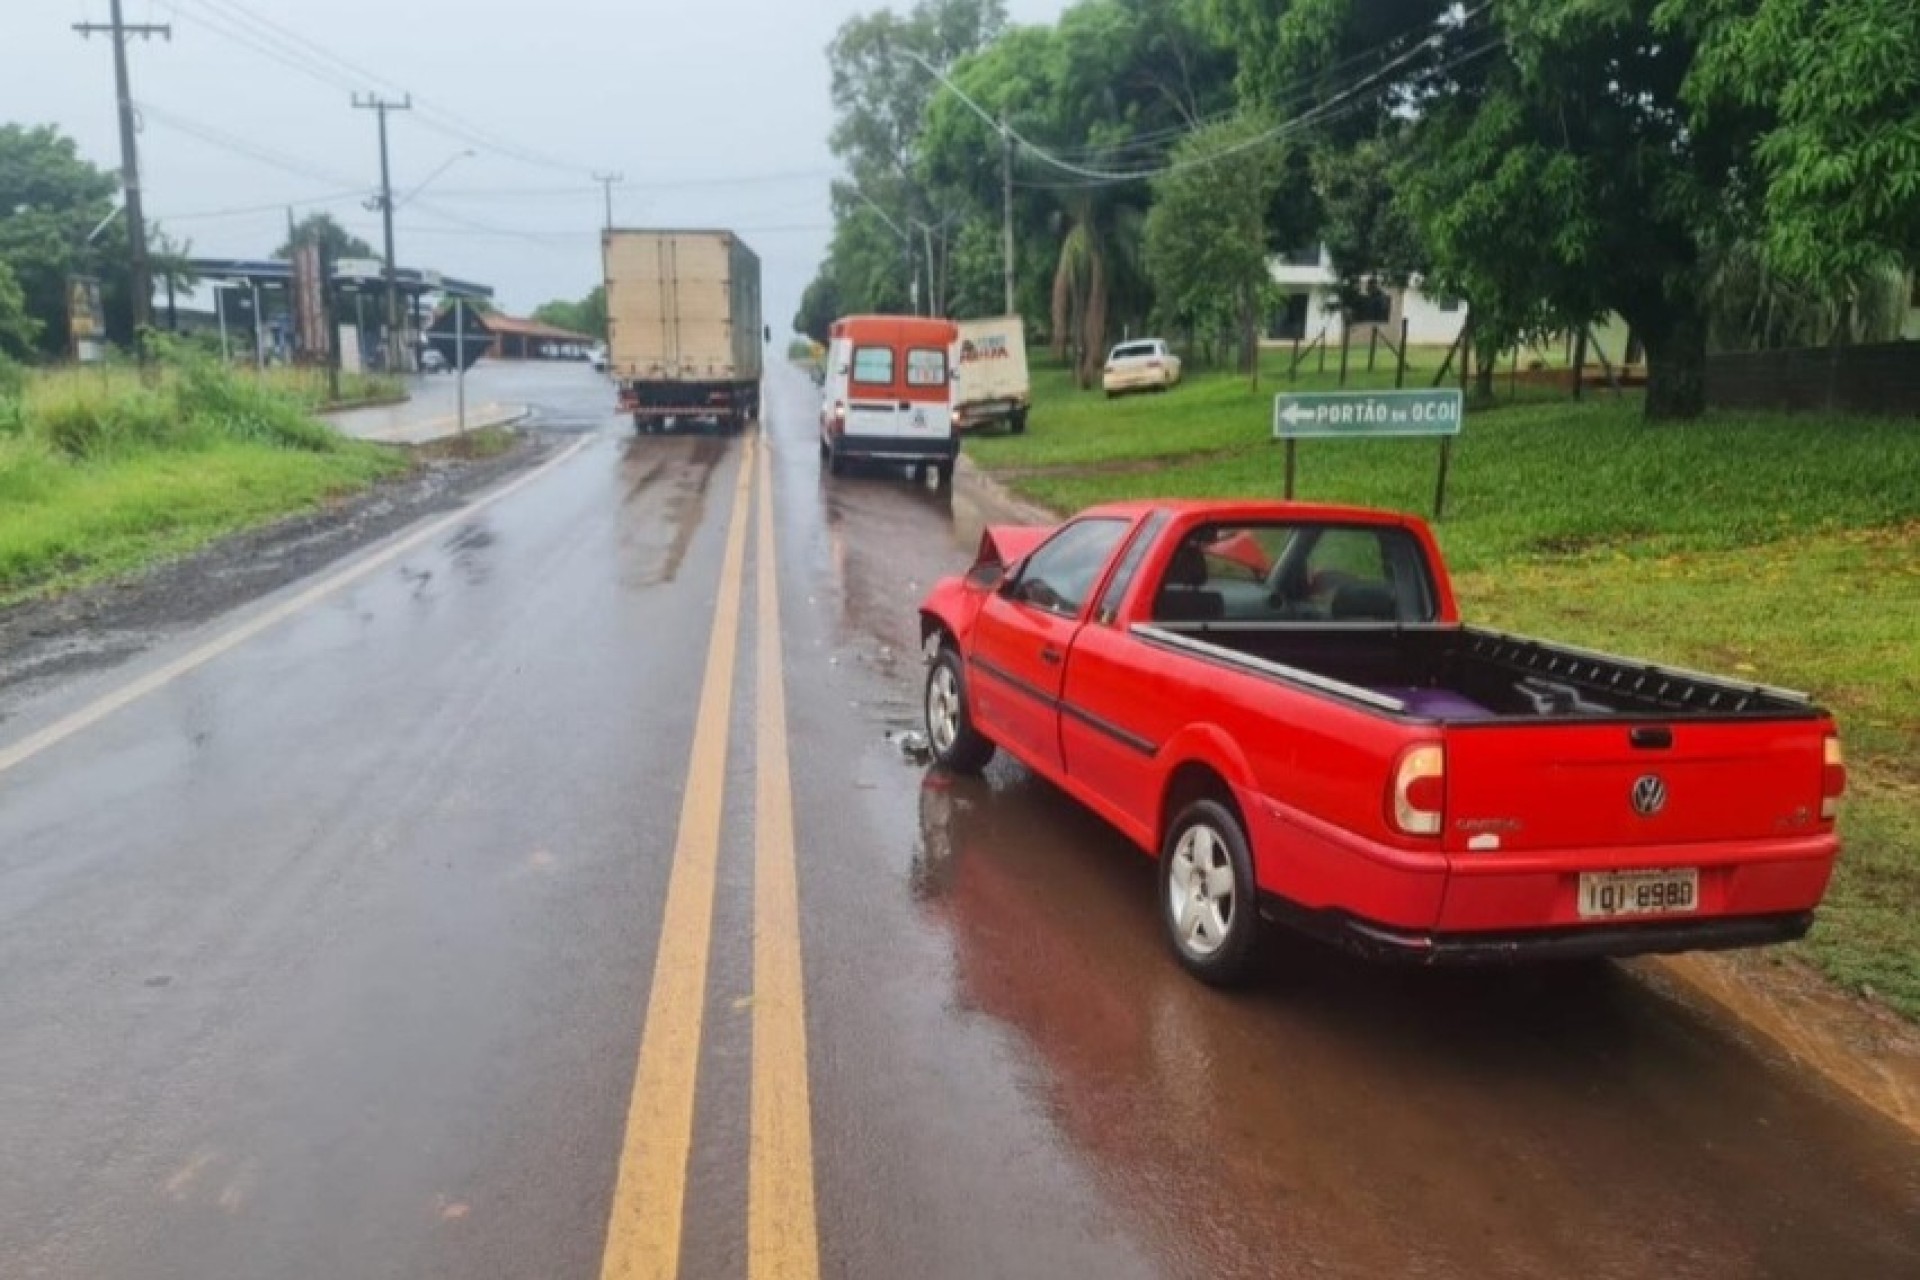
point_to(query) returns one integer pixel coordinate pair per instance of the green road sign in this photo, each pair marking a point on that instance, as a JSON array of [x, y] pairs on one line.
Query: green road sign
[[1367, 413]]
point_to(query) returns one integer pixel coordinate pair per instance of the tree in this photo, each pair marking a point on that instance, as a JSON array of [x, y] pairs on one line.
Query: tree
[[1102, 97], [18, 329], [51, 200], [819, 308], [335, 240], [1207, 236], [559, 313], [1553, 171], [1836, 156], [880, 96]]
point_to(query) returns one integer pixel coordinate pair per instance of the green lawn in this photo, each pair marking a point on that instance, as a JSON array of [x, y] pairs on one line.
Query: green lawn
[[101, 474], [1785, 548]]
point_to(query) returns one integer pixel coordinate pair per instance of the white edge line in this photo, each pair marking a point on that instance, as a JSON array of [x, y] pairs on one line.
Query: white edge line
[[128, 694]]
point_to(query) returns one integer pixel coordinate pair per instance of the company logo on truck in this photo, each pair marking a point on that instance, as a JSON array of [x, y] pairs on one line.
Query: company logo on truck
[[991, 347]]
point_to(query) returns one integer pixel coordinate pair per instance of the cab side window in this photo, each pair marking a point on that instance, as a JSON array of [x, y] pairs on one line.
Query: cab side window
[[873, 366], [1061, 574]]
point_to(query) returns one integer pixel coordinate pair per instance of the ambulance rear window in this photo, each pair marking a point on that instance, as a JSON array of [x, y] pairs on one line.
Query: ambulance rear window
[[873, 366], [926, 367]]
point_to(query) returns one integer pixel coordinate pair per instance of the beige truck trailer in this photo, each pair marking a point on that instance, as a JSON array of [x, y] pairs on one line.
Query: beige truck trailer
[[685, 338]]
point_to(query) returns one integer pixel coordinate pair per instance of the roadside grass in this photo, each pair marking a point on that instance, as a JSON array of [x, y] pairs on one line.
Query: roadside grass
[[1209, 412], [1780, 548], [103, 473], [1533, 479]]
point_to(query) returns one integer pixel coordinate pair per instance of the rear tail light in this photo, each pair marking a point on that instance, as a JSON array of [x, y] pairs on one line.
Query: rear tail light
[[839, 416], [1419, 790], [1833, 779]]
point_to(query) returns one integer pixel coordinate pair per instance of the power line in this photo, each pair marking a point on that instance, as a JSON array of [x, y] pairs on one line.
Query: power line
[[316, 57], [239, 146], [297, 52], [241, 211], [1105, 176]]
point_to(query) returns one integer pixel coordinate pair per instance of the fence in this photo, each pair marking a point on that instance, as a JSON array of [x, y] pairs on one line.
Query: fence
[[1881, 378]]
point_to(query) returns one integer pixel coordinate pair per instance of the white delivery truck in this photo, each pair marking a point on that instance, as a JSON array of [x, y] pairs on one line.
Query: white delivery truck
[[993, 385], [684, 330]]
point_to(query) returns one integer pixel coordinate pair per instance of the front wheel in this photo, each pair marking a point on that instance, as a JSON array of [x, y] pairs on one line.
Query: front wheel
[[1207, 893], [956, 744]]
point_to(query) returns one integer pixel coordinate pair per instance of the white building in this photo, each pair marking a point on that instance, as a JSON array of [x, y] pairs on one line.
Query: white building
[[1311, 308]]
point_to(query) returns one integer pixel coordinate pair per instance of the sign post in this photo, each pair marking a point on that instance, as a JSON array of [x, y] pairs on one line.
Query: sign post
[[460, 360], [1367, 414]]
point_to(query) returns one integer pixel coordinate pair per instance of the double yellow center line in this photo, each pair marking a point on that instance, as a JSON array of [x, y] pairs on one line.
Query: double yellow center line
[[649, 1200]]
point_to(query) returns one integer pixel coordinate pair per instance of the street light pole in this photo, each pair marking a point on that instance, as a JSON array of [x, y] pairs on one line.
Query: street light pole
[[1006, 214]]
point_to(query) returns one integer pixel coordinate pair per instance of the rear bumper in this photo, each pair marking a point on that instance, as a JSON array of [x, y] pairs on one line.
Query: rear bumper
[[1436, 907], [901, 448], [968, 416], [1380, 942]]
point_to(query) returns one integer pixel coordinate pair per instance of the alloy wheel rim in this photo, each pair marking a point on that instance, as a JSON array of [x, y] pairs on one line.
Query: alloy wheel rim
[[1201, 892], [943, 708]]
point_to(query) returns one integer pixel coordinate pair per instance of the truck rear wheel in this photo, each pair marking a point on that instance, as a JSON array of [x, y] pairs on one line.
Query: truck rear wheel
[[1207, 893], [1018, 422], [943, 474]]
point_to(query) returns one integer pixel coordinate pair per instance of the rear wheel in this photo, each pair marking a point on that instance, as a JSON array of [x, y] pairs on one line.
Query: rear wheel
[[1019, 423], [956, 744], [1207, 893], [943, 474], [836, 462]]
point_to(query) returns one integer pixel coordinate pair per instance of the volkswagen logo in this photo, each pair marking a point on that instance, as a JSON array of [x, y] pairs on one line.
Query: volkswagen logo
[[1649, 795]]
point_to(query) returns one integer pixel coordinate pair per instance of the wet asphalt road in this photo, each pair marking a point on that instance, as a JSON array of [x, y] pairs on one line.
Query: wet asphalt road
[[331, 955]]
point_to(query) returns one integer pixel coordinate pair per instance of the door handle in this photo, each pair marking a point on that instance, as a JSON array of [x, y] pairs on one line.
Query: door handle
[[1050, 656], [906, 404]]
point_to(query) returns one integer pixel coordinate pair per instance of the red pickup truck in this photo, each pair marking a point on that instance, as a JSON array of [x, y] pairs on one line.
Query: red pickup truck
[[1281, 702]]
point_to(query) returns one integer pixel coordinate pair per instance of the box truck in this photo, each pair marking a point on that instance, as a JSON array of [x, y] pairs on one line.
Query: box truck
[[993, 385], [684, 330]]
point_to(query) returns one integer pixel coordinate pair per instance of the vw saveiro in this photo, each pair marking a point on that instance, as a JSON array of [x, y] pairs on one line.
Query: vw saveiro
[[1281, 702]]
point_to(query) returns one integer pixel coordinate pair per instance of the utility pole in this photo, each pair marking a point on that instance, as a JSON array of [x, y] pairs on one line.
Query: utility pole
[[130, 163], [607, 180], [374, 102], [1006, 213]]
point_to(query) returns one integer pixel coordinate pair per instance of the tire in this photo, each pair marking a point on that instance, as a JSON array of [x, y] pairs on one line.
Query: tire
[[836, 462], [955, 743], [1208, 896], [943, 475], [1019, 423]]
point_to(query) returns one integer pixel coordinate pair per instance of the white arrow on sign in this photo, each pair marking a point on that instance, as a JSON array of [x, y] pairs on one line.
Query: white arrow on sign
[[1293, 414]]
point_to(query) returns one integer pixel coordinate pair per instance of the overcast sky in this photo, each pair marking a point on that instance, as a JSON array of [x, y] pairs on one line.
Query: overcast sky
[[715, 110]]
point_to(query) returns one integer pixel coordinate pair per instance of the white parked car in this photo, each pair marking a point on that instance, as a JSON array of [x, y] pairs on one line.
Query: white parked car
[[1143, 365]]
